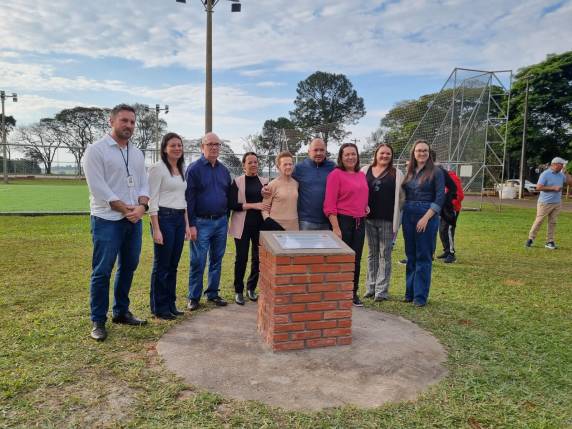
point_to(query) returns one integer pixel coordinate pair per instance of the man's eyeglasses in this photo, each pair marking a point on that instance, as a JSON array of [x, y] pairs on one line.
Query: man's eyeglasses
[[213, 145]]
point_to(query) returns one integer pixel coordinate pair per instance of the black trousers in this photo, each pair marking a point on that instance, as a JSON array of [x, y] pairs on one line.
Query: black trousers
[[250, 238], [447, 234], [353, 234]]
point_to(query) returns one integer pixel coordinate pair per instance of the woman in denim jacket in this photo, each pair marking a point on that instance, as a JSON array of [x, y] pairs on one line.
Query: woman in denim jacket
[[424, 187]]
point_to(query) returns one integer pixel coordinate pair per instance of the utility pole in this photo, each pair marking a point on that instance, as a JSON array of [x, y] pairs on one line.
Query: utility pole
[[4, 132], [158, 109], [523, 148], [209, 7]]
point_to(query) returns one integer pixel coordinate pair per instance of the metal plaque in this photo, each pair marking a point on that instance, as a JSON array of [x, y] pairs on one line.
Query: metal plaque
[[289, 241]]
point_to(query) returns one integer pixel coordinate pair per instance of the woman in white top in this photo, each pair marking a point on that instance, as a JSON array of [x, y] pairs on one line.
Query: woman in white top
[[169, 225]]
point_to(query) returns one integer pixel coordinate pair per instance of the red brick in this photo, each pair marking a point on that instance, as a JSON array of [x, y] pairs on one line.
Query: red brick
[[287, 327], [280, 280], [281, 318], [325, 268], [340, 258], [291, 269], [345, 286], [282, 260], [281, 299], [345, 323], [307, 297], [316, 278], [281, 337], [290, 289], [337, 314], [345, 305], [300, 279], [331, 296], [344, 341], [347, 268], [313, 306], [292, 308], [322, 324], [323, 287], [314, 259], [337, 332], [290, 345], [339, 277], [302, 317], [321, 342], [305, 335]]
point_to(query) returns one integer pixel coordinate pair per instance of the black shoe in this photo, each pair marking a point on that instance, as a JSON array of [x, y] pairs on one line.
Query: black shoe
[[528, 243], [166, 316], [407, 300], [418, 304], [369, 295], [550, 245], [442, 255], [193, 304], [380, 298], [450, 258], [218, 301], [239, 299], [128, 319], [177, 312], [252, 295], [357, 302], [98, 332]]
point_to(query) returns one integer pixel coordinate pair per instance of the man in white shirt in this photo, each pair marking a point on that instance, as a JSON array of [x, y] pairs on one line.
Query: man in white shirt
[[119, 193]]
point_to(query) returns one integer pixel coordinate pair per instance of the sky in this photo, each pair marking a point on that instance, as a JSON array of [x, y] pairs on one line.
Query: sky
[[65, 53]]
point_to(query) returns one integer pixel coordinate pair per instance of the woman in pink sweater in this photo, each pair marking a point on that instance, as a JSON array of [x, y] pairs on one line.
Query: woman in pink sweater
[[345, 205]]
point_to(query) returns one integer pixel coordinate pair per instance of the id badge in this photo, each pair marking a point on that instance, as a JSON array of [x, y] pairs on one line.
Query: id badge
[[130, 181]]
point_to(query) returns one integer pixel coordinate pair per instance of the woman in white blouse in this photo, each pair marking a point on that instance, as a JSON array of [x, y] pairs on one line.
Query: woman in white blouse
[[169, 225]]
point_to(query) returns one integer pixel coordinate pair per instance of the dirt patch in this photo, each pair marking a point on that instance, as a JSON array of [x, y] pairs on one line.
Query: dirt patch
[[513, 282], [391, 360]]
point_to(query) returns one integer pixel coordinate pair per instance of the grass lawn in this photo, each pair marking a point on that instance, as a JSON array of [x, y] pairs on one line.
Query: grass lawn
[[502, 312], [44, 195]]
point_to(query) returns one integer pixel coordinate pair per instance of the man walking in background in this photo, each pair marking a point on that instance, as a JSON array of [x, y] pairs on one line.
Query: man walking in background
[[115, 173], [550, 184]]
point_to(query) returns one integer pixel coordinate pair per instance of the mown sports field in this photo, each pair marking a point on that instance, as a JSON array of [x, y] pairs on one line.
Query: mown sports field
[[502, 312]]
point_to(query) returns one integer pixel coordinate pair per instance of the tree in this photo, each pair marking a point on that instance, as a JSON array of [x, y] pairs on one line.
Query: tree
[[227, 155], [147, 127], [79, 127], [41, 142], [281, 131], [327, 99], [549, 125], [10, 123]]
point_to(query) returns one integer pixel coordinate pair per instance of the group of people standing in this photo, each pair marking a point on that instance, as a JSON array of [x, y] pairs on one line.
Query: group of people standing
[[194, 204]]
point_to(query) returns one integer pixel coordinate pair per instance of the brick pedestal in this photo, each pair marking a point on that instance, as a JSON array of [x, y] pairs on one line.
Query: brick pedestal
[[305, 295]]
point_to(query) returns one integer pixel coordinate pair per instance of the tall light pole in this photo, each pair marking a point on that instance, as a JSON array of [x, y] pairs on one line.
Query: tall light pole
[[158, 109], [523, 148], [4, 132], [209, 6]]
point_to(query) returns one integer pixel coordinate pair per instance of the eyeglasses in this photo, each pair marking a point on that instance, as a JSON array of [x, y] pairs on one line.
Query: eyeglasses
[[212, 145]]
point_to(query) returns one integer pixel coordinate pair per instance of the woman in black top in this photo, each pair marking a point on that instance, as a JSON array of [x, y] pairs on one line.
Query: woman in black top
[[384, 183], [245, 200]]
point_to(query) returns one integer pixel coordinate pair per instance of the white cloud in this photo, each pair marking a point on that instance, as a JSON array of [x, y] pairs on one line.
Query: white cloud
[[411, 36], [270, 84]]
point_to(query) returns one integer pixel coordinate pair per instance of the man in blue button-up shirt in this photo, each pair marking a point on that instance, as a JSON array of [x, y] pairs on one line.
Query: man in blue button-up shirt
[[208, 184]]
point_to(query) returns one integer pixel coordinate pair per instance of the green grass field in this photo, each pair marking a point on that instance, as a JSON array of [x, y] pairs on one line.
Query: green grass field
[[502, 312], [44, 195]]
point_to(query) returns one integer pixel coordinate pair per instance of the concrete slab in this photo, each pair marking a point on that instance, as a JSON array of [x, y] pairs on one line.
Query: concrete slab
[[391, 360]]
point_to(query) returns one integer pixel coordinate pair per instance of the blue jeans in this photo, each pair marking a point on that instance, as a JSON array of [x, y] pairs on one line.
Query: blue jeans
[[113, 240], [211, 240], [419, 248], [166, 258], [311, 226]]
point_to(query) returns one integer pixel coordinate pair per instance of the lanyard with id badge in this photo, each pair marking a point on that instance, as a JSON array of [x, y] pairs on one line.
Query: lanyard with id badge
[[130, 178]]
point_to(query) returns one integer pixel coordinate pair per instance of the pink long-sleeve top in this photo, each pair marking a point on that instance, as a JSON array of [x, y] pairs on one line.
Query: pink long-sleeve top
[[346, 193]]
